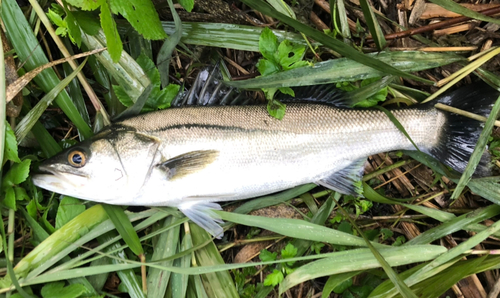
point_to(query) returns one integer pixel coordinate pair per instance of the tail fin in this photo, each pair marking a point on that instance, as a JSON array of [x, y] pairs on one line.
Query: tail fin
[[460, 134]]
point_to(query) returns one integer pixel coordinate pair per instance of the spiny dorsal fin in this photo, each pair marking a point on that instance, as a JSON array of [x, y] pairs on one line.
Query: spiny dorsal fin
[[327, 94], [347, 180], [188, 163]]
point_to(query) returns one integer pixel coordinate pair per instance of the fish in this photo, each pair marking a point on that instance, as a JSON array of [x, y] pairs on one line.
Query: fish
[[193, 156]]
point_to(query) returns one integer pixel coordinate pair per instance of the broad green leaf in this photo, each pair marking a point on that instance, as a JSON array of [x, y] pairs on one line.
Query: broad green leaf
[[74, 30], [10, 198], [276, 109], [268, 44], [113, 40], [17, 174], [335, 281], [267, 256], [124, 227], [84, 4], [68, 209], [10, 150], [142, 15], [267, 67], [58, 290], [274, 278]]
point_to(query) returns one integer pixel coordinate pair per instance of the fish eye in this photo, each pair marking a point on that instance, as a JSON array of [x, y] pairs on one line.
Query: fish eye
[[77, 158]]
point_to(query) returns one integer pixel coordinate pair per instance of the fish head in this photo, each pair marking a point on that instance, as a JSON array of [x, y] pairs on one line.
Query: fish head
[[108, 169]]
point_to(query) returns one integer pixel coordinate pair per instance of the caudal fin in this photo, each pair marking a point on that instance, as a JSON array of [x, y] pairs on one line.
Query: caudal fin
[[460, 134]]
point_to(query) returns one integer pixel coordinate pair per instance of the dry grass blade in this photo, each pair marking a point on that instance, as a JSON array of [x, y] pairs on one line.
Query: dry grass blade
[[16, 87]]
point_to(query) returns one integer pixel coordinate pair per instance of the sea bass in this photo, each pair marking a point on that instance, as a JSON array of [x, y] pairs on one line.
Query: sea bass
[[190, 157]]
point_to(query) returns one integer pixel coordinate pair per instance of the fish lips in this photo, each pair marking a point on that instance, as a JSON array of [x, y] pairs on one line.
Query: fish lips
[[57, 180]]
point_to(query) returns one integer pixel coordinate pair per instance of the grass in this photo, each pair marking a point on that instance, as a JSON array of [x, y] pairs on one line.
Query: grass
[[405, 238]]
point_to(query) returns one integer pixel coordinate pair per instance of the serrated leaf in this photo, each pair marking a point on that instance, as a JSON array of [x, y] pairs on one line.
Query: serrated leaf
[[75, 33], [268, 44], [267, 67], [267, 256], [289, 251], [113, 40], [274, 278], [142, 16], [69, 208], [58, 290], [290, 54], [122, 96], [17, 174], [10, 149], [56, 19]]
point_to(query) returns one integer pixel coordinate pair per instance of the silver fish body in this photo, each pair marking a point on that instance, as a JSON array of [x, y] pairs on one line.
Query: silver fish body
[[188, 157]]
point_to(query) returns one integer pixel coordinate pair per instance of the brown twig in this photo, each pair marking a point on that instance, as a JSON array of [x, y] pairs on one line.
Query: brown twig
[[431, 27]]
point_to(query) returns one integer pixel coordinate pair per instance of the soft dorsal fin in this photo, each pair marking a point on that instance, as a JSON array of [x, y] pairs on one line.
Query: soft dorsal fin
[[347, 180], [188, 163]]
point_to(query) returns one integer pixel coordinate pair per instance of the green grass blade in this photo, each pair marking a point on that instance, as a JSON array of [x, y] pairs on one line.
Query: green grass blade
[[164, 248], [437, 265], [478, 151], [295, 228], [456, 224], [331, 42], [217, 284], [127, 73], [29, 50], [124, 227], [335, 280], [165, 53], [360, 259], [373, 25], [344, 69], [34, 114], [274, 199], [398, 124], [180, 281], [344, 24], [47, 143], [457, 8]]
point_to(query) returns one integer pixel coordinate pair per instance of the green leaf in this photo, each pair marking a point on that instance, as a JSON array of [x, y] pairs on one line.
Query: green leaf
[[142, 15], [274, 278], [56, 19], [268, 44], [267, 256], [289, 55], [267, 67], [21, 194], [10, 150], [17, 174], [373, 25], [68, 209], [187, 4], [75, 33], [10, 198], [113, 40], [58, 290], [124, 227], [289, 251]]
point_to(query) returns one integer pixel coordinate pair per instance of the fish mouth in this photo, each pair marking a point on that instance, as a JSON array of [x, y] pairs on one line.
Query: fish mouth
[[56, 179]]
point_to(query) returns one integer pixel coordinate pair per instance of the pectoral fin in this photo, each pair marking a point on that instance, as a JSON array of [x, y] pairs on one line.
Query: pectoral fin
[[347, 180], [188, 163], [202, 214]]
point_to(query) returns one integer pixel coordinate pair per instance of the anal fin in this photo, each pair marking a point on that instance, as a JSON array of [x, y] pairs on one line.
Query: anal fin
[[347, 180], [202, 214]]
